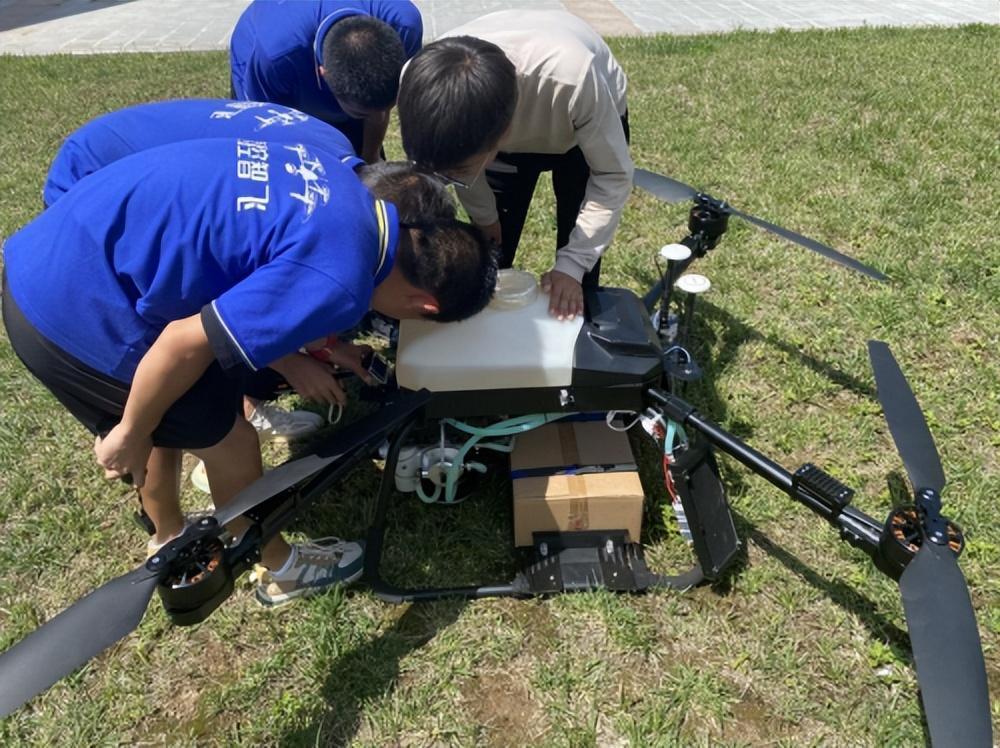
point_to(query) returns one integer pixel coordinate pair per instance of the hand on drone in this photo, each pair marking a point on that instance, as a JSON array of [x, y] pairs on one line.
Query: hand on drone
[[123, 453], [342, 355], [312, 379], [565, 295]]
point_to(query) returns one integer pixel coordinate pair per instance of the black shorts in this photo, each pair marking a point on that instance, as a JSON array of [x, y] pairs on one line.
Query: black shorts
[[201, 417]]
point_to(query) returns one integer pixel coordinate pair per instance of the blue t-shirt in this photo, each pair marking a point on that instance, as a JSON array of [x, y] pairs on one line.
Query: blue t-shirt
[[277, 48], [275, 244], [104, 140]]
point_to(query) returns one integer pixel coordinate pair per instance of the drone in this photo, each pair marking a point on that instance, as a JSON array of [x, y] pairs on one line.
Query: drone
[[626, 354]]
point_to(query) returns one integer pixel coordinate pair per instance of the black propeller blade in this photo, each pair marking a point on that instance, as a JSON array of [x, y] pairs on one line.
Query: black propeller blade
[[949, 657], [667, 189], [671, 191], [353, 438], [906, 421], [939, 614], [79, 633]]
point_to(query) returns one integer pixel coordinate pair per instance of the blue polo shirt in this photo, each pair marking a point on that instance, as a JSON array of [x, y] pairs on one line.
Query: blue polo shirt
[[277, 47], [104, 140], [274, 244]]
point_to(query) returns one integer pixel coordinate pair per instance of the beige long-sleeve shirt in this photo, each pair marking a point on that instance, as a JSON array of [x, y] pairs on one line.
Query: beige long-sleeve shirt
[[571, 92]]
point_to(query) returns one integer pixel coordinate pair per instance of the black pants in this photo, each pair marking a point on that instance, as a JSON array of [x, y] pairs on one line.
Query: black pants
[[514, 188]]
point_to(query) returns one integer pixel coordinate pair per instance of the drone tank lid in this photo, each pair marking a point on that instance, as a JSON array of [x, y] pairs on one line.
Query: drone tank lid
[[675, 252], [693, 283], [515, 289]]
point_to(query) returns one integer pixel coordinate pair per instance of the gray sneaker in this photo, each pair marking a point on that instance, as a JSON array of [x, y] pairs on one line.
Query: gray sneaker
[[315, 567]]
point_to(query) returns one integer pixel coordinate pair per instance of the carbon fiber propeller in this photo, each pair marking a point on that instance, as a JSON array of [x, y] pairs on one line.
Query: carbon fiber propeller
[[671, 191], [939, 614]]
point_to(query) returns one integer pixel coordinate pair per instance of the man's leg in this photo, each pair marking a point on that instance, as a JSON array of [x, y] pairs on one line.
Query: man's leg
[[231, 465], [569, 183], [160, 494], [513, 186]]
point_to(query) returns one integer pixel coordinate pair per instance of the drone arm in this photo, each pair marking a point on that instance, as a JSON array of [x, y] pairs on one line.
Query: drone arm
[[808, 485]]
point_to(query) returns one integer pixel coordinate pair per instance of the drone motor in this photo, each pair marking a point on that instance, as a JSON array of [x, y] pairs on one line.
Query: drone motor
[[198, 578], [904, 534]]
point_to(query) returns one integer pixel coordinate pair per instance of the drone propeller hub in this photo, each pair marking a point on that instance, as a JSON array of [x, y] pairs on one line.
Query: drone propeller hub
[[709, 218], [904, 533]]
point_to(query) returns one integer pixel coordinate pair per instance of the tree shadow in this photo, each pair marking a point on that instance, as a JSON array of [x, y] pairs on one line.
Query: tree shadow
[[15, 14]]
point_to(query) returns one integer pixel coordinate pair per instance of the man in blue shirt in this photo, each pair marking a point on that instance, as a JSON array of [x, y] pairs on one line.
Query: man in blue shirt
[[121, 133], [338, 60], [143, 297]]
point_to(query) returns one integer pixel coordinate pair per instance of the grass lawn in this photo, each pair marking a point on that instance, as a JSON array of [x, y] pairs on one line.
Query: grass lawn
[[882, 143]]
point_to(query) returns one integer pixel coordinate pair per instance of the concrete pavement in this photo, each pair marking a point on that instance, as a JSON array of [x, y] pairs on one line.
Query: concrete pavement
[[36, 27]]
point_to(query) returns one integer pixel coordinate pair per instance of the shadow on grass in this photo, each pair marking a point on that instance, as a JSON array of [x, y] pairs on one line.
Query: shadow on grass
[[843, 595], [370, 671], [17, 15]]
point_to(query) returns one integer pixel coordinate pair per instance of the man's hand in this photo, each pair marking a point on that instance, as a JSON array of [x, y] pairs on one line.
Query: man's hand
[[565, 295], [312, 379], [342, 355], [123, 453]]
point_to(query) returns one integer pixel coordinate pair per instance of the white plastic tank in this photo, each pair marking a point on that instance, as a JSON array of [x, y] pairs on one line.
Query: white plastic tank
[[513, 343]]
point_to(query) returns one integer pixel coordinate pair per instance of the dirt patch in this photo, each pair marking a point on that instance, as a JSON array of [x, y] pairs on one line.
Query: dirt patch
[[503, 708], [751, 721]]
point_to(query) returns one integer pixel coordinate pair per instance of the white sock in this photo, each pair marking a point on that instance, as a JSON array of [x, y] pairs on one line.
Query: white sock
[[289, 562]]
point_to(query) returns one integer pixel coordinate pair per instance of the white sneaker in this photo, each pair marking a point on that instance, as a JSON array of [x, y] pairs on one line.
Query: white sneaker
[[199, 478], [311, 568], [274, 424]]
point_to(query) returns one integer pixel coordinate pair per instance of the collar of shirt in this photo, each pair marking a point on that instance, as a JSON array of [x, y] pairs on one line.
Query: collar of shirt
[[388, 231]]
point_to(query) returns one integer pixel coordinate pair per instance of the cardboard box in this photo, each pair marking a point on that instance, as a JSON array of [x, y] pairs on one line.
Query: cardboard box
[[571, 476]]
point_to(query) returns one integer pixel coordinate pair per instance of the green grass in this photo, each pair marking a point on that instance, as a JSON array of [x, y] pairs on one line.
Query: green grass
[[882, 143]]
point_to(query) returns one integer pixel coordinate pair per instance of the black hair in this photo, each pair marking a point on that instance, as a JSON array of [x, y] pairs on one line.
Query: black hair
[[456, 99], [454, 263], [419, 198], [362, 59]]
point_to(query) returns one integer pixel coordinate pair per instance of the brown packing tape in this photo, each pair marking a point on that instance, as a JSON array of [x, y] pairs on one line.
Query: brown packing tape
[[579, 517], [567, 444]]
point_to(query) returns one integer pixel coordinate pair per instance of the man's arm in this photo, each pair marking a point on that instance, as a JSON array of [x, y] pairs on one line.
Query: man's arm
[[375, 127], [170, 367], [601, 137]]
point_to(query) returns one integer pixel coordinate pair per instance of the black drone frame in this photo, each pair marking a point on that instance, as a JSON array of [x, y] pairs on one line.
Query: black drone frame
[[916, 545]]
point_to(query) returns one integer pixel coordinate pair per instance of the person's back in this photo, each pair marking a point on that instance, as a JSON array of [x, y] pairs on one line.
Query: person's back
[[121, 133], [156, 236]]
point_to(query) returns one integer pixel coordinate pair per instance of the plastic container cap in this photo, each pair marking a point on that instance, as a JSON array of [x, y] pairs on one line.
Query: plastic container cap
[[515, 289], [675, 252], [693, 283]]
